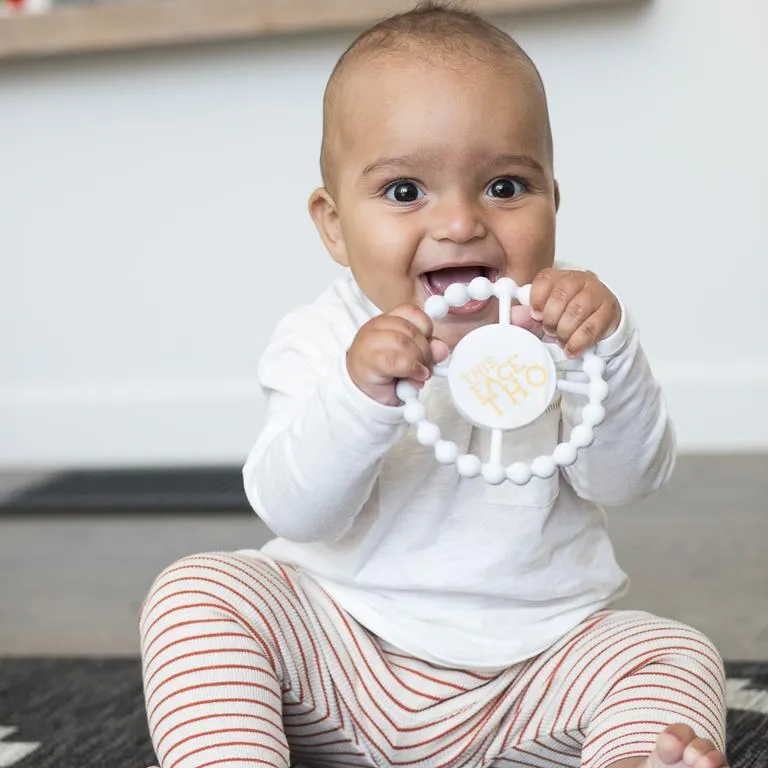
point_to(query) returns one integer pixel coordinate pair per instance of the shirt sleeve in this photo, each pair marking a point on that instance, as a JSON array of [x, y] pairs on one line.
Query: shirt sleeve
[[634, 449], [316, 460]]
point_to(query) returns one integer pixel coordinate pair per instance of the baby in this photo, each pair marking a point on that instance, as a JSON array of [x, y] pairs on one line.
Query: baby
[[404, 616]]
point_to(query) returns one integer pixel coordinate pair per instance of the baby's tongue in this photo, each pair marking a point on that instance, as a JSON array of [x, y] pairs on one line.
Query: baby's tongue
[[440, 279]]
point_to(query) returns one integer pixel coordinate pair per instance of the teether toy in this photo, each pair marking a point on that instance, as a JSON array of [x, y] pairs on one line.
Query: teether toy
[[502, 377]]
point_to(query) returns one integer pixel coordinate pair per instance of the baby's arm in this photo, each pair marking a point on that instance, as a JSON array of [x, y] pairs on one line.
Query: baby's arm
[[315, 462], [634, 449], [316, 459]]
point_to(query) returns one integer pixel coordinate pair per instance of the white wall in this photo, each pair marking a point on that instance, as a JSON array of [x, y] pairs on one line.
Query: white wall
[[153, 224]]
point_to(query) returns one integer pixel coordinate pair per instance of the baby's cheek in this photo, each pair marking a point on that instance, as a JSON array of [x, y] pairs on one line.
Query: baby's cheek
[[530, 247]]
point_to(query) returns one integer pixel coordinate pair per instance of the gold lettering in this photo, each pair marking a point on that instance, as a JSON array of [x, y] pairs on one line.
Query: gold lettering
[[508, 383], [510, 368], [536, 375], [474, 375], [491, 399], [515, 391]]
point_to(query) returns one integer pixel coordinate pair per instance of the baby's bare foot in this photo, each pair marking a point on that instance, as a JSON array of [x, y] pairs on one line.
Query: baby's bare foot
[[679, 747]]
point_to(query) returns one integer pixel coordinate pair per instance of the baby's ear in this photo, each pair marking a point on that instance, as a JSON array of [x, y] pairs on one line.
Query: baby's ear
[[322, 209], [557, 196]]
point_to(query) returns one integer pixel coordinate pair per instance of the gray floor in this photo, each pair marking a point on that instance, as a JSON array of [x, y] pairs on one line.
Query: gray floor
[[695, 552]]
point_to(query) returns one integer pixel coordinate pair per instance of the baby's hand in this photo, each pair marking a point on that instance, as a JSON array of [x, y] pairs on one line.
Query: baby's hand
[[574, 307], [394, 346]]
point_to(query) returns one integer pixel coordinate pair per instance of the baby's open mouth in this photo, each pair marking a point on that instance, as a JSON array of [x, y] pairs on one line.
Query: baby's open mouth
[[437, 281]]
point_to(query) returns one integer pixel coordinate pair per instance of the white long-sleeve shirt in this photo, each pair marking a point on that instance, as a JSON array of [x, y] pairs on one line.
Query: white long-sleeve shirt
[[451, 570]]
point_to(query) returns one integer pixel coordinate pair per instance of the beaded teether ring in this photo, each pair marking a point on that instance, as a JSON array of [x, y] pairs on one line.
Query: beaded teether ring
[[502, 377]]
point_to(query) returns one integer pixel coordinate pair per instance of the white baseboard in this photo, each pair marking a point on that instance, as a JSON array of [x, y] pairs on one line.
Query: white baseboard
[[151, 425], [182, 424]]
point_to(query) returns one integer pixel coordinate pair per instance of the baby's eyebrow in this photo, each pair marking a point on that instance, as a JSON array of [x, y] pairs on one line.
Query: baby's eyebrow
[[526, 160], [399, 161], [410, 161]]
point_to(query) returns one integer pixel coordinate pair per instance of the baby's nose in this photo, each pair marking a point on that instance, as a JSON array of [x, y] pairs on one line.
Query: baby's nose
[[458, 221]]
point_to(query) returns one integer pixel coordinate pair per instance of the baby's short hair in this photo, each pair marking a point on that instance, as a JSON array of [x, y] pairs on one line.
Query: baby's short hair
[[434, 26]]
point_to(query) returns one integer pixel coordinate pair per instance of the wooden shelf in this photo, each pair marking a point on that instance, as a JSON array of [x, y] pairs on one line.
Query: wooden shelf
[[144, 23]]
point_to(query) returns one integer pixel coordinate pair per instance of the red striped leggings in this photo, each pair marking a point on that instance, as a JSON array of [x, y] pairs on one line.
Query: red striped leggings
[[250, 663]]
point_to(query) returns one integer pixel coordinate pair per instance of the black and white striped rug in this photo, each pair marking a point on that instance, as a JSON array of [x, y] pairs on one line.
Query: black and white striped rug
[[88, 713]]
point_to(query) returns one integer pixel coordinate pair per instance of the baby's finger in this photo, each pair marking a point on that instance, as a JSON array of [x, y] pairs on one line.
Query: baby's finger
[[398, 361], [563, 292], [415, 316], [540, 289], [440, 350], [411, 333], [591, 330], [521, 317], [579, 308]]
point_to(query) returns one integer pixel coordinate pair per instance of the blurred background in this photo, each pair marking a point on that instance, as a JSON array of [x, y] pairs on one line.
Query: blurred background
[[155, 162], [153, 221]]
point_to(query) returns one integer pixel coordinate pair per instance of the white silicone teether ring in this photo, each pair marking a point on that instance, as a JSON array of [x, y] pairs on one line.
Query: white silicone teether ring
[[492, 470]]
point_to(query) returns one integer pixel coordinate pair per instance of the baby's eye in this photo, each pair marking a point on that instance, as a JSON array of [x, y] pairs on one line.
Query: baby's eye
[[506, 188], [403, 192]]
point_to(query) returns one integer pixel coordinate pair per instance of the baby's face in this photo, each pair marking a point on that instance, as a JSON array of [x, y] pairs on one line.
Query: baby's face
[[440, 176]]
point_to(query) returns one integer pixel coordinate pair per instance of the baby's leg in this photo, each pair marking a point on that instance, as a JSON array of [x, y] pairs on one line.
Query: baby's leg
[[232, 668], [665, 707], [603, 696], [678, 747]]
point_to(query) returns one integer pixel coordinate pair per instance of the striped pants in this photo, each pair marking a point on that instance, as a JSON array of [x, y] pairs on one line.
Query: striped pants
[[250, 663]]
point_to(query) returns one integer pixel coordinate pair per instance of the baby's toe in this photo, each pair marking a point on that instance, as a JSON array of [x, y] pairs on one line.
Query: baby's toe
[[696, 749], [712, 758], [672, 742]]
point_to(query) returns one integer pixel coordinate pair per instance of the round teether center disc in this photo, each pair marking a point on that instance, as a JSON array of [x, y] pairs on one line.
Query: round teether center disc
[[501, 377]]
